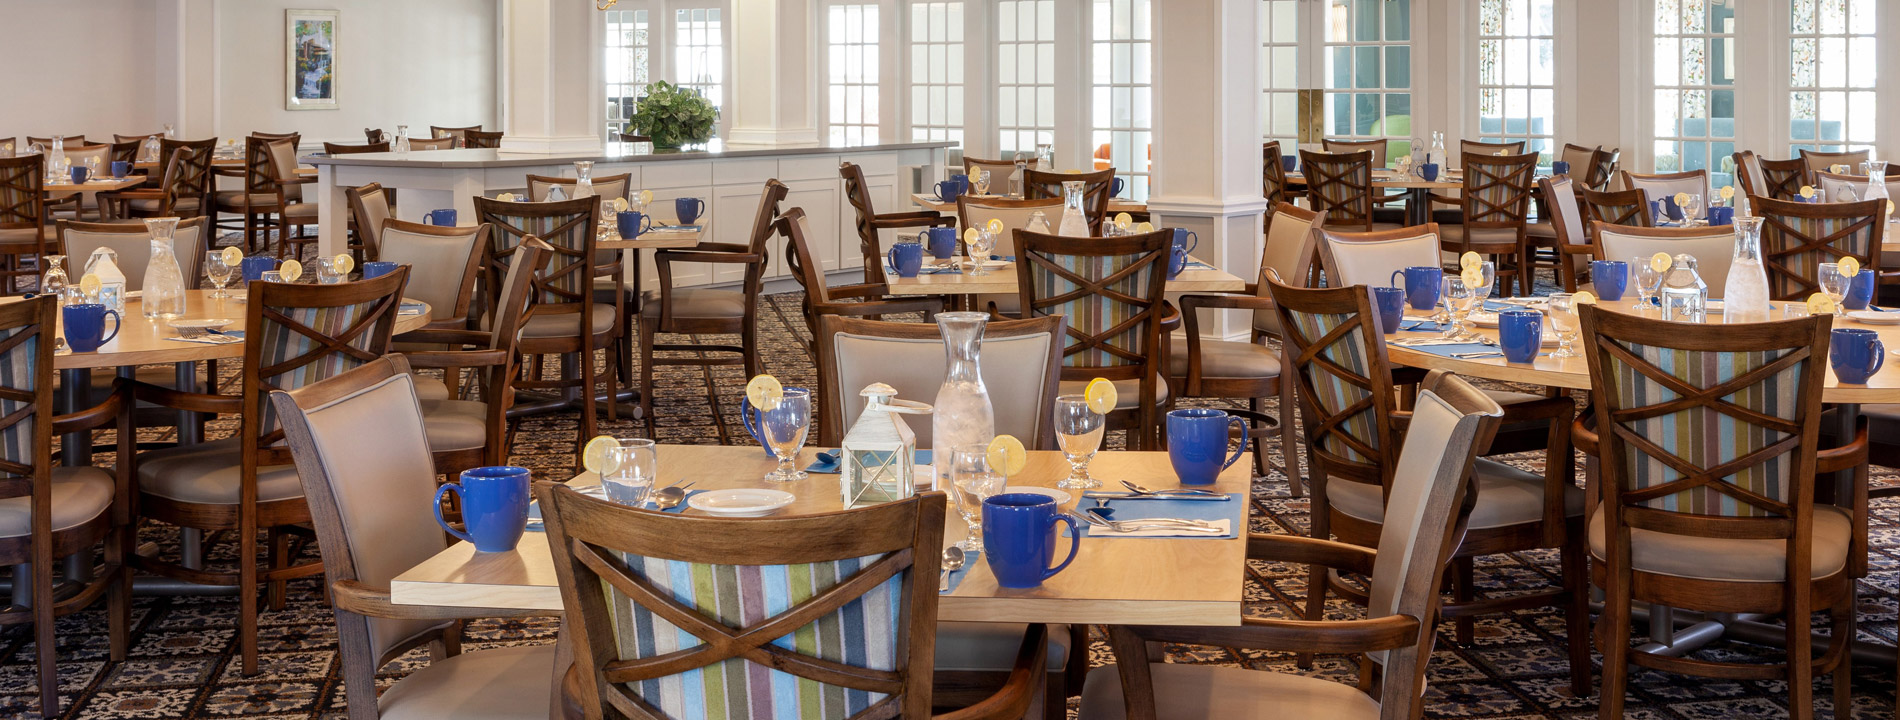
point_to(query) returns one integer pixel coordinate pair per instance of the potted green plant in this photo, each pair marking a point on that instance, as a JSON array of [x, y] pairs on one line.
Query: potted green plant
[[674, 116]]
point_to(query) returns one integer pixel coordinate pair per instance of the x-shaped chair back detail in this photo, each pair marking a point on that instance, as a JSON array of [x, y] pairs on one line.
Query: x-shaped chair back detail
[[1343, 380], [1111, 289], [1340, 185], [1497, 190], [1796, 237], [1623, 207], [302, 334], [568, 226], [22, 191]]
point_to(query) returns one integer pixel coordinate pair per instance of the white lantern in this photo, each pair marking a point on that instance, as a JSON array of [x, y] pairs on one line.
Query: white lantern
[[879, 454], [104, 264]]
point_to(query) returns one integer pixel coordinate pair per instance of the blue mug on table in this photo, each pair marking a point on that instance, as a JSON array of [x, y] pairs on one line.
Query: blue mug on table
[[494, 506], [86, 325], [1721, 216], [1429, 171], [1390, 302], [1860, 292], [632, 223], [1421, 285], [255, 266], [1186, 240], [444, 217], [907, 258], [1177, 261], [1289, 163], [79, 173], [749, 417], [688, 209], [1019, 538], [1116, 187], [1197, 442], [121, 168], [1520, 334], [378, 269], [1612, 278], [1855, 353], [1560, 168], [948, 190], [942, 242]]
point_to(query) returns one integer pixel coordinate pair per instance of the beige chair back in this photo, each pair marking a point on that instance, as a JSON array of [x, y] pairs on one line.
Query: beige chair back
[[447, 262], [1482, 147], [1694, 182], [1841, 188], [1820, 162], [1582, 159], [133, 243], [1560, 198], [1014, 213], [370, 207], [1371, 258], [1005, 175], [1712, 247], [79, 155], [608, 187], [1376, 147]]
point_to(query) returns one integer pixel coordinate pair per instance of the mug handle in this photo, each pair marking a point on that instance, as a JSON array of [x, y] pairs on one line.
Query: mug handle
[[1880, 357], [749, 417], [1075, 543], [890, 256], [117, 320], [1194, 241], [1394, 282], [646, 223], [700, 208], [446, 487], [1231, 419]]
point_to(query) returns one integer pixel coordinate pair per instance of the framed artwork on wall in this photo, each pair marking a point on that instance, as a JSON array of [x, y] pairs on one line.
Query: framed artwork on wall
[[310, 59]]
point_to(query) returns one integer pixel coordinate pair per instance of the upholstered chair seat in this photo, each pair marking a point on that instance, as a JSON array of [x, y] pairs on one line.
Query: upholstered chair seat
[[697, 304], [1457, 233], [1205, 692], [560, 325], [1709, 558], [25, 236], [1222, 359], [79, 495], [1506, 496], [455, 424], [209, 473], [499, 684], [185, 205], [237, 199]]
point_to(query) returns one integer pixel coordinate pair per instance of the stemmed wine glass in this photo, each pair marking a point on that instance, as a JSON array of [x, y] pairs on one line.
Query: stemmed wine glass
[[1648, 282], [1563, 320], [1832, 282], [1459, 299], [634, 474], [981, 182], [1692, 210], [786, 425], [1079, 432], [972, 481], [980, 251], [219, 273]]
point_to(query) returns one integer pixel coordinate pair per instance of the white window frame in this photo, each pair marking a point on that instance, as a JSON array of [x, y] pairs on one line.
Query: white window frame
[[1044, 53], [632, 86], [662, 29], [1273, 97], [943, 79], [1653, 139], [845, 129], [1856, 101], [1129, 155], [1504, 85], [1325, 45]]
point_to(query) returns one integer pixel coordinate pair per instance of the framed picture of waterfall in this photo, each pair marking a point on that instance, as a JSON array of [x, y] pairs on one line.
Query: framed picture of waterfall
[[310, 59]]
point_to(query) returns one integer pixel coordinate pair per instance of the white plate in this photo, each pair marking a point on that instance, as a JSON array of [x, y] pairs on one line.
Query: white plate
[[202, 323], [1874, 317], [1060, 496], [750, 502], [1484, 319]]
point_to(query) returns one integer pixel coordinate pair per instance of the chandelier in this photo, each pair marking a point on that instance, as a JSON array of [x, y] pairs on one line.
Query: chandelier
[[605, 4]]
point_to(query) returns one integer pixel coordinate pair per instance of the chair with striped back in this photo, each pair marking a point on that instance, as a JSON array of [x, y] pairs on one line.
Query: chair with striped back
[[1708, 440], [1112, 291], [1095, 194], [1798, 236], [566, 319], [1347, 147], [871, 224], [1622, 207], [1778, 179], [481, 139], [857, 300], [1272, 177], [1340, 185], [1494, 208], [1819, 162], [298, 334], [828, 615], [23, 231]]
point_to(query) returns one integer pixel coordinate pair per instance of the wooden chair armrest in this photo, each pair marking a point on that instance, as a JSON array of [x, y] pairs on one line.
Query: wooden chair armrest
[[919, 219], [374, 602], [456, 358], [179, 400], [104, 413], [1012, 700], [227, 170], [1849, 456], [445, 336], [1314, 636], [926, 305], [873, 291], [135, 194], [1170, 317], [1438, 199], [1582, 436], [297, 181], [673, 256], [1558, 408], [1310, 551], [718, 247], [1191, 303]]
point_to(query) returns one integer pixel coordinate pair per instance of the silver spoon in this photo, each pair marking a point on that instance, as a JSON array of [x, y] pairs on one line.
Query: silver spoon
[[1139, 490], [1148, 524], [952, 562], [670, 497]]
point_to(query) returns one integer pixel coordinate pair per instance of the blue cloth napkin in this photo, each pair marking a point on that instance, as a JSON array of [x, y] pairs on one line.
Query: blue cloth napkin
[[1450, 350], [1137, 509], [675, 228], [888, 270], [534, 510], [970, 559], [827, 461], [1410, 325], [1197, 265]]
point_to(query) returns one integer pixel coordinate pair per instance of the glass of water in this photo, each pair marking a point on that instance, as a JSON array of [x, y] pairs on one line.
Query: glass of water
[[786, 425], [1648, 282], [981, 182], [1563, 320], [326, 272], [972, 481], [1692, 211], [271, 276], [633, 478], [219, 274], [980, 251], [1457, 297], [1832, 282], [1079, 433]]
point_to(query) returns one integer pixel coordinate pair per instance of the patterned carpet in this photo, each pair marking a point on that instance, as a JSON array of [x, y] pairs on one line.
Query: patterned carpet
[[183, 661]]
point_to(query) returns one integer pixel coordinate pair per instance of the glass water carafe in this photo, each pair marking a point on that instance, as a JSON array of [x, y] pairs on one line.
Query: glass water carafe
[[56, 160], [963, 413], [1745, 293], [1877, 183], [1046, 157], [1438, 149], [148, 151], [583, 179], [163, 295], [402, 139], [1038, 222], [1075, 223]]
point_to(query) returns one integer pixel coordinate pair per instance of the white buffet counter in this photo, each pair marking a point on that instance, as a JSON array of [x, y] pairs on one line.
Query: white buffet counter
[[728, 178]]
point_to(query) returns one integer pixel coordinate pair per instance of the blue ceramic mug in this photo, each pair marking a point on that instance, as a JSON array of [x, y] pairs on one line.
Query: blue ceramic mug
[[942, 242], [907, 258], [1429, 171], [688, 209], [1290, 163], [632, 223], [1421, 285], [1177, 261], [494, 506], [1860, 292], [1560, 168], [1391, 304], [378, 269], [1019, 538], [948, 190], [444, 217], [1856, 354], [255, 266], [1612, 278], [1721, 216], [1520, 334], [749, 417], [79, 173], [121, 168], [86, 326], [1186, 240], [1197, 441], [1115, 188]]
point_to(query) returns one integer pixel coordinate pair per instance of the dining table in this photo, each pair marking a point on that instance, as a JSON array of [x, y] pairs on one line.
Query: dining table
[[659, 238], [1000, 279]]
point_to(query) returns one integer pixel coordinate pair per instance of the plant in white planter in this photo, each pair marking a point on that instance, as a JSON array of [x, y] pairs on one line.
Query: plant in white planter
[[674, 116]]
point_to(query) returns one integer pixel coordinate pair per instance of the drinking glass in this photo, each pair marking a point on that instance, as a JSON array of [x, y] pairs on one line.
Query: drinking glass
[[92, 168], [981, 182], [639, 465], [1457, 299], [1692, 211], [219, 274], [1490, 271], [1832, 282], [1563, 320], [972, 481], [271, 276], [1079, 433], [1648, 282], [980, 252], [786, 426], [326, 272]]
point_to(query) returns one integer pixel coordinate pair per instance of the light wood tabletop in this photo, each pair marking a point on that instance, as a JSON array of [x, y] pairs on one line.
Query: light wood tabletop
[[1171, 581], [98, 184], [656, 239], [145, 342], [1574, 373], [930, 201], [1002, 280]]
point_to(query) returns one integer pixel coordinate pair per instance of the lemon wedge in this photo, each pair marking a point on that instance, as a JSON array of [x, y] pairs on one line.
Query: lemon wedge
[[290, 270], [1681, 199], [232, 256], [1807, 192], [1850, 267], [343, 263], [1660, 262], [1101, 395], [646, 197], [1582, 297], [1728, 192], [1473, 277], [89, 284], [1123, 220], [599, 456], [1007, 455], [1470, 260], [1145, 227], [995, 226], [764, 392], [1820, 304]]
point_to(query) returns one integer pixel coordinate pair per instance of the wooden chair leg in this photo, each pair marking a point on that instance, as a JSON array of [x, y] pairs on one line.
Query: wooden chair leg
[[279, 559], [45, 641], [247, 593], [1464, 577], [119, 595], [1260, 466], [611, 371], [646, 371], [1577, 621], [1844, 620], [1799, 621], [589, 427], [1316, 582], [1615, 648], [1289, 444]]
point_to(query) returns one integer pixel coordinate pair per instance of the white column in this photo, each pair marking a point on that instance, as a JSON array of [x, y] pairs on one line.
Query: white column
[[552, 73], [1207, 135], [774, 72], [187, 67]]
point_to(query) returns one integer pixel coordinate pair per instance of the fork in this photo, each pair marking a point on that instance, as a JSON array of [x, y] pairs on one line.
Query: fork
[[1123, 526]]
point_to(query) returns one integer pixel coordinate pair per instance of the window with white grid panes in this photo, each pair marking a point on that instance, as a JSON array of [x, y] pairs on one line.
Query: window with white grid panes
[[1368, 55], [1517, 68], [851, 100], [1121, 93], [699, 53], [628, 65], [1025, 75], [1694, 95], [935, 69], [1832, 71], [1280, 72]]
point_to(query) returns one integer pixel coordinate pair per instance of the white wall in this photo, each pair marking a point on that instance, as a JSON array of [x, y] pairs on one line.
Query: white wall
[[57, 84], [413, 62]]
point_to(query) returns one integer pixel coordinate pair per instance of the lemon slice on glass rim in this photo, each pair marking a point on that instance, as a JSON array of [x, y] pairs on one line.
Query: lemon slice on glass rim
[[1145, 227], [89, 284], [1582, 297], [764, 392], [1123, 220], [1820, 304], [1472, 277], [646, 197], [1681, 198], [1101, 395], [995, 226], [1660, 262], [1007, 455], [1849, 266], [232, 256], [1728, 192], [290, 270], [1470, 260], [342, 263], [598, 457], [1807, 191], [619, 204]]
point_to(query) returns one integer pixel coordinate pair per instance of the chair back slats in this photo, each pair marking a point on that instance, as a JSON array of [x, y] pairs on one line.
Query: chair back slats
[[1798, 236], [480, 139], [1272, 174], [1778, 179], [705, 617], [259, 177], [194, 168], [1039, 184], [26, 394], [1623, 207], [858, 193], [1110, 288], [568, 226], [606, 186], [330, 148], [303, 334], [1340, 185], [1497, 190], [1347, 147], [1603, 169], [22, 191], [1342, 379], [1487, 147]]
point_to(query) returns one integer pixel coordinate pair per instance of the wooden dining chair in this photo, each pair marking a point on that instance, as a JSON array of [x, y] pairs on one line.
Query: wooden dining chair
[[333, 149], [299, 334], [606, 186], [458, 133], [180, 191], [76, 141], [1688, 522], [357, 440], [1778, 179], [860, 300], [1348, 147], [1095, 194], [1628, 208], [49, 511], [1798, 236], [1818, 161], [442, 143], [1357, 258], [1494, 205], [481, 139], [1488, 147], [1348, 408], [1667, 185], [375, 135], [23, 231], [1006, 176], [1574, 247], [371, 206], [1582, 159], [1340, 185], [1272, 179], [1603, 170], [1835, 188], [871, 224], [1112, 289], [1712, 247], [126, 151], [452, 256], [1393, 641], [72, 206], [261, 200], [630, 640]]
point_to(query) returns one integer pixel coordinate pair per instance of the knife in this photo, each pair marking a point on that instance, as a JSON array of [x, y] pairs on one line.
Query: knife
[[1157, 496]]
